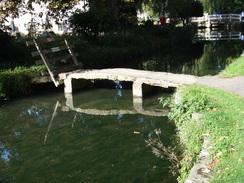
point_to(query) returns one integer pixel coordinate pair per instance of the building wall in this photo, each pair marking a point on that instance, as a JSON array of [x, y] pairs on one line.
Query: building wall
[[35, 22]]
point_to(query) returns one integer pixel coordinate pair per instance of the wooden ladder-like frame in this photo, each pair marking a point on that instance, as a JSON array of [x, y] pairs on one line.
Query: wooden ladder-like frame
[[49, 60]]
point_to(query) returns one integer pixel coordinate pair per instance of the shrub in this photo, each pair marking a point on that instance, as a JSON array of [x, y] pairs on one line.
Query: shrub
[[14, 83]]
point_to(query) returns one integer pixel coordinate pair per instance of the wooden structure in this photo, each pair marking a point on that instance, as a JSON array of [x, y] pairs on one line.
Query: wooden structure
[[57, 54], [62, 70], [211, 20]]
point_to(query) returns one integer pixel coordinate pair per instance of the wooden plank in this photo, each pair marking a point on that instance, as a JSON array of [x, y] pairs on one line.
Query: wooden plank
[[59, 58], [45, 40], [48, 58], [55, 59], [45, 60], [65, 69], [71, 51], [51, 50], [30, 43], [39, 62]]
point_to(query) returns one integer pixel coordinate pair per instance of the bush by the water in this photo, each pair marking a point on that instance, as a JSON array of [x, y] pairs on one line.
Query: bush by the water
[[14, 83]]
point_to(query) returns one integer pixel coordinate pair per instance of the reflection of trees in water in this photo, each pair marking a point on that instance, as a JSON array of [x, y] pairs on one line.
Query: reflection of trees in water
[[200, 58], [173, 60], [97, 141], [216, 56]]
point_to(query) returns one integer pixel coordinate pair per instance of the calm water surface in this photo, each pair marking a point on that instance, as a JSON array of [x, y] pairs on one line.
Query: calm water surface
[[39, 144], [44, 140]]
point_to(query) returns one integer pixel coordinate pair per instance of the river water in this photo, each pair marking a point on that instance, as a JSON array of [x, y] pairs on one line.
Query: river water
[[101, 136], [41, 144]]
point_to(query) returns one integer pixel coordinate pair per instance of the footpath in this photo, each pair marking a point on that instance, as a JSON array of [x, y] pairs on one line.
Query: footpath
[[234, 85]]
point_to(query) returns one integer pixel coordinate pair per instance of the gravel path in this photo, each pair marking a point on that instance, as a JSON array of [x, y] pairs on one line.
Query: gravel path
[[234, 85]]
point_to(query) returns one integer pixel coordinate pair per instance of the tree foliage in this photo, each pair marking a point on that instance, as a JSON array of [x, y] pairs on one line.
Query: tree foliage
[[185, 9], [155, 8], [123, 10], [105, 16], [15, 8], [230, 6]]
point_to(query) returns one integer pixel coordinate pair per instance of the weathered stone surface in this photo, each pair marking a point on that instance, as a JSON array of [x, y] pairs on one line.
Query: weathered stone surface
[[201, 172], [161, 79]]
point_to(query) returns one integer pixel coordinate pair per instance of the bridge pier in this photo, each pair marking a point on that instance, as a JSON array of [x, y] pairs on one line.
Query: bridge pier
[[136, 92], [68, 85], [137, 89], [137, 103], [69, 100]]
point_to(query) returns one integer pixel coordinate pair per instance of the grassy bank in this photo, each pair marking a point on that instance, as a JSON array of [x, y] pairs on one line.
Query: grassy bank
[[222, 121], [235, 69]]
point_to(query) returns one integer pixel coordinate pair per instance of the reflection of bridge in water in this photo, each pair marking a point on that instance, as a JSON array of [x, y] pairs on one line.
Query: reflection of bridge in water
[[214, 35], [69, 106], [138, 109]]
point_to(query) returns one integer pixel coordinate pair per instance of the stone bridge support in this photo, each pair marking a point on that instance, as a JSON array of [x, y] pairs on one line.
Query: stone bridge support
[[138, 77]]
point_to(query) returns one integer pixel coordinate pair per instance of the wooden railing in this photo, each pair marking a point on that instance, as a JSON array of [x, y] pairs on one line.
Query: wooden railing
[[218, 18]]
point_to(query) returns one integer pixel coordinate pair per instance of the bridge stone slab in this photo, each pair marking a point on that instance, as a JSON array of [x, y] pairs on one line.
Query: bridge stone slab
[[138, 77]]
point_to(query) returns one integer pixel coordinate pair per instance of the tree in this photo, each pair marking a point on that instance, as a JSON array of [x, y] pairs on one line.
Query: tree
[[15, 8], [155, 8], [185, 9], [230, 6], [121, 13], [106, 16]]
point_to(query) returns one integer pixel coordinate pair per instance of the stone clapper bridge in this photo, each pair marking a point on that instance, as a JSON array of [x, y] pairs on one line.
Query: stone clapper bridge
[[66, 73]]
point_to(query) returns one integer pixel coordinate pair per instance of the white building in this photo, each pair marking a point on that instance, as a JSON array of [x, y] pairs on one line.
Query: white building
[[36, 21]]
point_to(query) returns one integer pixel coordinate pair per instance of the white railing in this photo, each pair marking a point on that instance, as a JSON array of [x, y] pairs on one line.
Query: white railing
[[219, 35], [218, 18]]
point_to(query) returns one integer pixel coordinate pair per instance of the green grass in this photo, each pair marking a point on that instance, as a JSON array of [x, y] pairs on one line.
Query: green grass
[[225, 125], [234, 70], [223, 120]]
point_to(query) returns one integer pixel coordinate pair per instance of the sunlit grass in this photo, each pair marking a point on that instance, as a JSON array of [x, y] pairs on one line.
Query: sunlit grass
[[235, 69], [224, 122]]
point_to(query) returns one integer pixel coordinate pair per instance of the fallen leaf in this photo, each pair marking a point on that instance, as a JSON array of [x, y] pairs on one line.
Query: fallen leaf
[[212, 165]]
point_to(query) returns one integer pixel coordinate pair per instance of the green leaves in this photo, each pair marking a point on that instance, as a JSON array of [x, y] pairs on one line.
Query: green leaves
[[14, 83]]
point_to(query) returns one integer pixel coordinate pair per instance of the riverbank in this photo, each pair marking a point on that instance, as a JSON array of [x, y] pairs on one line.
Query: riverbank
[[221, 121], [106, 51]]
